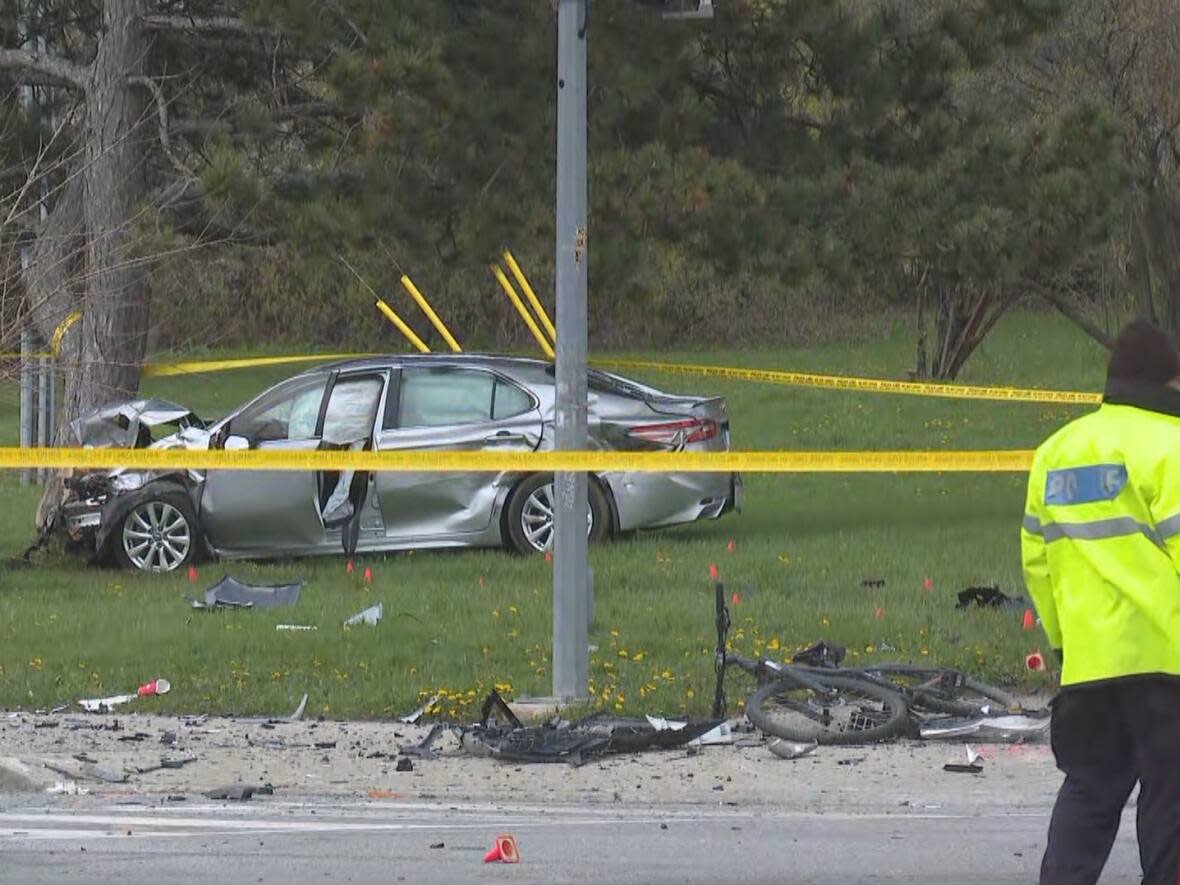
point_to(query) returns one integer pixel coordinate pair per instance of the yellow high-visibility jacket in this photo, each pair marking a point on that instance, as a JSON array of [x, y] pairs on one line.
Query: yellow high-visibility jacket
[[1101, 537]]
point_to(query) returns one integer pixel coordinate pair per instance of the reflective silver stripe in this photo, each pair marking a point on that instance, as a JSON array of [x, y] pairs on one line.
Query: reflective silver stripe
[[1169, 527], [1098, 530]]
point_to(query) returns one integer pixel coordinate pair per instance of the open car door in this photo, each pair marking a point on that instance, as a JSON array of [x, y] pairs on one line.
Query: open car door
[[290, 512]]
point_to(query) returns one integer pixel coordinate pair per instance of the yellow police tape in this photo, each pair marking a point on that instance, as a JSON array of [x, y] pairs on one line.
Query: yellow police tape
[[197, 367], [54, 342], [766, 376], [1001, 461], [863, 385]]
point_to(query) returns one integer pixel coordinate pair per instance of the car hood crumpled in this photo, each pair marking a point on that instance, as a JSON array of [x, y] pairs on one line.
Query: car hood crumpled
[[118, 425]]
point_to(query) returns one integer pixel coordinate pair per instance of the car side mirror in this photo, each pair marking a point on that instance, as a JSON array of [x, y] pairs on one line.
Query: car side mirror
[[236, 443]]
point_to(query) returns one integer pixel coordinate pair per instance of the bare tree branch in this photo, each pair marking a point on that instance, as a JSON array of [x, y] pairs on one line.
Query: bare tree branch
[[1075, 316], [162, 116], [57, 70], [299, 111], [205, 24]]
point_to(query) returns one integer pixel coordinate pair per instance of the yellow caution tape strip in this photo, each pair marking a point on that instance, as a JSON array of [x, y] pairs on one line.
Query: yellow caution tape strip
[[766, 376], [1001, 461], [54, 343], [863, 385], [199, 367]]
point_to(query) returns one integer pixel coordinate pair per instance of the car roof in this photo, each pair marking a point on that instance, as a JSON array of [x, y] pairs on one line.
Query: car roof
[[516, 364]]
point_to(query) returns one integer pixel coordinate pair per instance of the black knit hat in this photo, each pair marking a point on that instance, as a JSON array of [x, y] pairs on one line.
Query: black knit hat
[[1144, 352]]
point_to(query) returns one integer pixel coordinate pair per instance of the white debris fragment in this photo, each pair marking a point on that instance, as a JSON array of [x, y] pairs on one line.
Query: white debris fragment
[[412, 718], [665, 724], [722, 734], [371, 616]]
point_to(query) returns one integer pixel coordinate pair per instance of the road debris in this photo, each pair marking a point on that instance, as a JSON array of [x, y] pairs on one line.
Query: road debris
[[790, 749], [573, 742], [232, 593], [425, 749], [988, 729], [721, 735], [67, 788], [664, 724], [148, 689], [296, 628], [167, 764], [412, 718], [405, 764], [240, 792], [370, 616], [88, 771]]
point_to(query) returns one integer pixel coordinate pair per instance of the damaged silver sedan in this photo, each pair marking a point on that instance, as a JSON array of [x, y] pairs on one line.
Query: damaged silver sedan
[[162, 521]]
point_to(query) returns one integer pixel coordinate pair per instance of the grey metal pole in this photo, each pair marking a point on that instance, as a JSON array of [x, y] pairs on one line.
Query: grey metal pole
[[44, 380], [571, 563], [28, 418]]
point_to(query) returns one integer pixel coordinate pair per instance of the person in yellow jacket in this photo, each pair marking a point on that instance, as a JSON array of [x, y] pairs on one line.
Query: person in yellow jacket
[[1101, 552]]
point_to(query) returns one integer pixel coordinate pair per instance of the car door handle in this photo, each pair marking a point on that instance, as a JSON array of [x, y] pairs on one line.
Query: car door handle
[[506, 436]]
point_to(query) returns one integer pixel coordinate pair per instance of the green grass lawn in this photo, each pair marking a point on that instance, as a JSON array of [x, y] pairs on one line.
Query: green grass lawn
[[461, 622]]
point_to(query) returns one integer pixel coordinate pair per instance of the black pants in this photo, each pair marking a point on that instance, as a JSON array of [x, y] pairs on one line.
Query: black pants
[[1106, 738]]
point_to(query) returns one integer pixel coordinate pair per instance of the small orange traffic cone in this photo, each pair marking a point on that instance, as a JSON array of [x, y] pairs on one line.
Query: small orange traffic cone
[[736, 600], [730, 547], [503, 851], [927, 585], [1030, 621], [549, 556], [713, 572], [192, 574], [350, 568], [368, 575], [879, 614]]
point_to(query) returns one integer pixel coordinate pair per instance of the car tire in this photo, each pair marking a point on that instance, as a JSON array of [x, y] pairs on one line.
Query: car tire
[[526, 530], [158, 533]]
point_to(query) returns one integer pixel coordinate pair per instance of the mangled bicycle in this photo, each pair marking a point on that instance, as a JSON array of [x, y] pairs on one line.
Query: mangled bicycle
[[813, 699]]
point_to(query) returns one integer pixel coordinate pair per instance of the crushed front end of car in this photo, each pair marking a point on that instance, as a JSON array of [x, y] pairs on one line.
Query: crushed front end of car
[[92, 502]]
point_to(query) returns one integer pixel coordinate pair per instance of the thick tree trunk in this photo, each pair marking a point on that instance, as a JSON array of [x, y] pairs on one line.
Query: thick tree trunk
[[113, 329]]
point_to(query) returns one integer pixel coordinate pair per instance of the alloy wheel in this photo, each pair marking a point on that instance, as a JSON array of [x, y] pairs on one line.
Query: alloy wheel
[[537, 522], [156, 537]]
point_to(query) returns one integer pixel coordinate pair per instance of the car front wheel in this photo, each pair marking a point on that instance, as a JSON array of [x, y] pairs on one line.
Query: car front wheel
[[158, 534], [531, 511]]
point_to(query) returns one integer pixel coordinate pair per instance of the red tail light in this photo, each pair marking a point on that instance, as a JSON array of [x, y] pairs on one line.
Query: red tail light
[[676, 433]]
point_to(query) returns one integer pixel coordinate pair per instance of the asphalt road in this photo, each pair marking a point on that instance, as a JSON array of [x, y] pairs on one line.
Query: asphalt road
[[382, 842]]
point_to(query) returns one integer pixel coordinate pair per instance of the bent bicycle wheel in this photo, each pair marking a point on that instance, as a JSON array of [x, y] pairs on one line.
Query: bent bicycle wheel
[[944, 690], [838, 710]]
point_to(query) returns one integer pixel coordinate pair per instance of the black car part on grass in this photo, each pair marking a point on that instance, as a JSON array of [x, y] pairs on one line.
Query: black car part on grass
[[570, 742], [822, 654], [229, 592], [989, 597]]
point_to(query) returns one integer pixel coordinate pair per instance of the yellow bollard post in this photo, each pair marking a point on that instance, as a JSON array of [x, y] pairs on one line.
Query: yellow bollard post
[[531, 295], [402, 326], [438, 324], [546, 348]]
